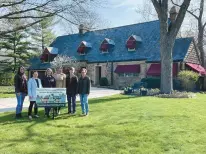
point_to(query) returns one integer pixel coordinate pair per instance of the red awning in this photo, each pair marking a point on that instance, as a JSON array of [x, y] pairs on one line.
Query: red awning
[[155, 69], [128, 68], [197, 68]]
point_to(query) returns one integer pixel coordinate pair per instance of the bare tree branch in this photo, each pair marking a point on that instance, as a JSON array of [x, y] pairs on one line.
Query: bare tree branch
[[23, 11], [2, 33], [192, 13], [11, 4], [183, 9]]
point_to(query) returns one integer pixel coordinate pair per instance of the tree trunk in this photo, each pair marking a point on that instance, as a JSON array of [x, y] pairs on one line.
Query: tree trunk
[[200, 43], [167, 44]]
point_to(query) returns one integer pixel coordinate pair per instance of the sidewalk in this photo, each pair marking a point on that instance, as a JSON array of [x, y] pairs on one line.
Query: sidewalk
[[9, 104]]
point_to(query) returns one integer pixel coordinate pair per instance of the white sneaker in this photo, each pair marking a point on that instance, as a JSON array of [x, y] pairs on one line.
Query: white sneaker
[[36, 116], [30, 117]]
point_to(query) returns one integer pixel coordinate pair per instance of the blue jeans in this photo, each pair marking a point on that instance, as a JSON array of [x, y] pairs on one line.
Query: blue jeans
[[20, 100], [71, 103], [84, 103]]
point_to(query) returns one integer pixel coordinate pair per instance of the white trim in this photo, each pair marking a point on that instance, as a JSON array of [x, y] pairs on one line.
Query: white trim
[[104, 52], [134, 49], [82, 54]]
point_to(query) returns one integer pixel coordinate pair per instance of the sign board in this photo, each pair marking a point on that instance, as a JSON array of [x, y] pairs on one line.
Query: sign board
[[51, 97]]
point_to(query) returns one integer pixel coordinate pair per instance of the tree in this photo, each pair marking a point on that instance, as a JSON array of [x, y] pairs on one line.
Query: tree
[[168, 33], [198, 13], [62, 61], [18, 47], [29, 11], [42, 33]]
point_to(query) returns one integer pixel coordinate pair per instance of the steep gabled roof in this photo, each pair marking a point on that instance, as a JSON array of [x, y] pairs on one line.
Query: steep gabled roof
[[148, 50]]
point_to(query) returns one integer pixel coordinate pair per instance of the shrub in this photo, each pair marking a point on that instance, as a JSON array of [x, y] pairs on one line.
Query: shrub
[[177, 94], [188, 79], [155, 83], [103, 81], [6, 79], [152, 82]]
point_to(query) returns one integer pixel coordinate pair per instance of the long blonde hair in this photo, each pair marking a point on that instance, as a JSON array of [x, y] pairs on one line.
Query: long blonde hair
[[48, 69]]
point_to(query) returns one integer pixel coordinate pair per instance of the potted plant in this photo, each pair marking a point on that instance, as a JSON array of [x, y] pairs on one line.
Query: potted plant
[[143, 91], [128, 90]]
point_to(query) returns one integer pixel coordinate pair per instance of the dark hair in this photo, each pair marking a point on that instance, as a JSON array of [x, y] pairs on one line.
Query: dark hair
[[32, 72], [18, 72]]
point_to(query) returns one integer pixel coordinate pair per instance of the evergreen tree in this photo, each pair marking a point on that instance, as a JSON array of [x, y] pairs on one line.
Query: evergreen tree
[[18, 46], [42, 33]]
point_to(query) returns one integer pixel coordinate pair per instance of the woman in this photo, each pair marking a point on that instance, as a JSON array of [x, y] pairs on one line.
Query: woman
[[48, 82], [71, 86], [33, 84], [20, 82], [60, 78], [83, 91]]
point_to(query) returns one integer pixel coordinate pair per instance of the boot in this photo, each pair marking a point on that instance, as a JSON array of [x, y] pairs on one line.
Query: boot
[[17, 116], [20, 116]]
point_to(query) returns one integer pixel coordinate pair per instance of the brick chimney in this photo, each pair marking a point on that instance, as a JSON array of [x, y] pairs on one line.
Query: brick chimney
[[82, 29], [173, 13]]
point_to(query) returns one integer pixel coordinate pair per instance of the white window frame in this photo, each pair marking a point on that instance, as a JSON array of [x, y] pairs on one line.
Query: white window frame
[[134, 49], [131, 74]]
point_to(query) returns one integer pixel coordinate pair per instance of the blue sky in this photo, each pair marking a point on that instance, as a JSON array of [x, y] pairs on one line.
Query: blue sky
[[121, 13], [116, 13]]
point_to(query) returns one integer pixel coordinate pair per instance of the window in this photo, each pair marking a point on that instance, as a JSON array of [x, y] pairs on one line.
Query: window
[[132, 42], [84, 47], [45, 58], [128, 74], [107, 45]]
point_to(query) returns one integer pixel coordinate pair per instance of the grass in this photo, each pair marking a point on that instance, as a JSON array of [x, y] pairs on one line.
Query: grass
[[6, 91], [117, 124]]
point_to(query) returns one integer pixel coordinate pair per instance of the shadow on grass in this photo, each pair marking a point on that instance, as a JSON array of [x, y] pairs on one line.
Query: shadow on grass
[[9, 118], [110, 99]]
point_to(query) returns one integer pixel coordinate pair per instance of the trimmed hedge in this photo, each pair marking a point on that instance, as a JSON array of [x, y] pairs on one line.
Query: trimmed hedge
[[103, 81], [155, 83]]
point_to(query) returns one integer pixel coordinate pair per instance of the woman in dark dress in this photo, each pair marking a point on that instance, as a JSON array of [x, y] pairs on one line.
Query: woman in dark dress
[[48, 82]]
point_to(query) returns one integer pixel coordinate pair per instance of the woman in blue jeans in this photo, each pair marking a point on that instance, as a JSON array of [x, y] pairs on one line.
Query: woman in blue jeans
[[83, 91], [20, 83]]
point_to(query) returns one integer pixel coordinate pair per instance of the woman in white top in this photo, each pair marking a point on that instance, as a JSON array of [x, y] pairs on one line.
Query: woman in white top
[[33, 84]]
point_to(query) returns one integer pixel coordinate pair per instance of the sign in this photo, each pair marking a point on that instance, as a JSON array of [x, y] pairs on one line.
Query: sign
[[51, 97]]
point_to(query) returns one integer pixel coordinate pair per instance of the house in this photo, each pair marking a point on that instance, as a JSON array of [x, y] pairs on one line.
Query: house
[[123, 55]]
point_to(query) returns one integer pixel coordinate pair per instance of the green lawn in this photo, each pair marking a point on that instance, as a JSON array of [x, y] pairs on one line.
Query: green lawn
[[7, 91], [117, 124]]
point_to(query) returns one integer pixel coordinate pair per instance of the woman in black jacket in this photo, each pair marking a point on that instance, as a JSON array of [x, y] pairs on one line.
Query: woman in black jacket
[[83, 91], [48, 82], [71, 89], [20, 83]]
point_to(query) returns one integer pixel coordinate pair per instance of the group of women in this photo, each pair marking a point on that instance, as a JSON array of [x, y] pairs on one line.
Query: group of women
[[69, 81]]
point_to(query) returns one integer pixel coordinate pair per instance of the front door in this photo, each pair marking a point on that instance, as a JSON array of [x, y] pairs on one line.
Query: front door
[[98, 75]]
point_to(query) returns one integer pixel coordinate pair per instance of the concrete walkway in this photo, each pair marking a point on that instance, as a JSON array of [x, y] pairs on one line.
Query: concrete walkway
[[9, 104]]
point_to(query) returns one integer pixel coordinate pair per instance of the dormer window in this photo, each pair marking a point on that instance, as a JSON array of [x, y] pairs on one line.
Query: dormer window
[[133, 42], [49, 54], [84, 47], [107, 45]]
